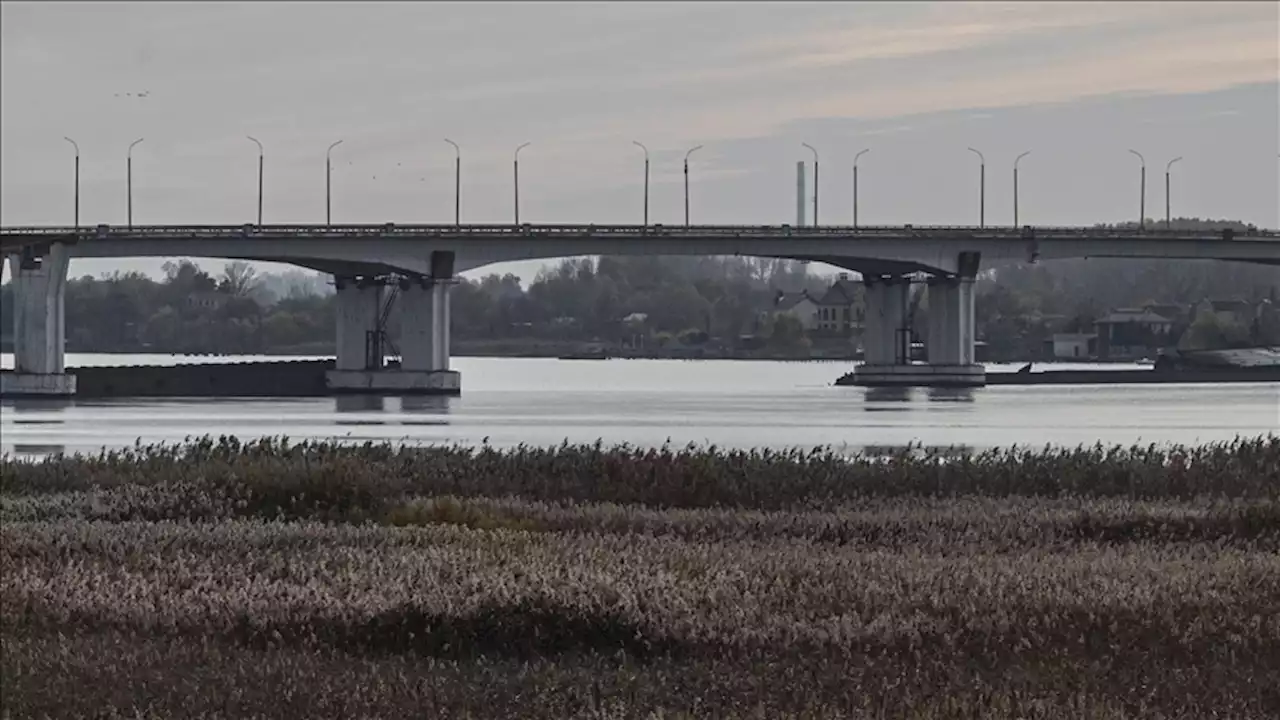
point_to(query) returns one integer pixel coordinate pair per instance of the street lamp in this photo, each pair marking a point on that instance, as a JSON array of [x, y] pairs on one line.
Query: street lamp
[[255, 142], [1015, 186], [646, 179], [1142, 192], [515, 166], [855, 184], [77, 181], [982, 188], [815, 182], [328, 183], [691, 151], [1168, 217], [457, 182], [129, 181]]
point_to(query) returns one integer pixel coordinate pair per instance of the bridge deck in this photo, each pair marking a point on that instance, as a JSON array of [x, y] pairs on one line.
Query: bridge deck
[[15, 237]]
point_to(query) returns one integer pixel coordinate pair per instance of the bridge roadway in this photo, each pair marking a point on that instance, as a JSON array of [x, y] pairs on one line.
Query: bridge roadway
[[371, 249]]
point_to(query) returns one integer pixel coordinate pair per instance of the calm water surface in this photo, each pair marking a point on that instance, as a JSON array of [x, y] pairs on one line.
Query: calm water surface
[[647, 402]]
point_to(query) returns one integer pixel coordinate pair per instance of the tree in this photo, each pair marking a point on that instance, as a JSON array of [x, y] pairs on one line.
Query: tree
[[238, 279]]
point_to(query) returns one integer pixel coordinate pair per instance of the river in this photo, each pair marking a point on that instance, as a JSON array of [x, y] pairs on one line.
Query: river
[[728, 403]]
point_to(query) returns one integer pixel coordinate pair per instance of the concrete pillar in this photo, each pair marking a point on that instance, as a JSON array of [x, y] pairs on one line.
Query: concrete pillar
[[359, 306], [938, 309], [39, 322], [951, 321], [968, 327], [883, 341], [424, 325]]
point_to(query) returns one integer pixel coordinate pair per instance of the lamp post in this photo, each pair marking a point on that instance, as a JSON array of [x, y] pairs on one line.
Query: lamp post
[[1142, 192], [255, 142], [691, 151], [1015, 186], [129, 182], [1168, 216], [328, 183], [982, 188], [646, 180], [457, 182], [815, 182], [855, 184], [515, 166], [77, 180]]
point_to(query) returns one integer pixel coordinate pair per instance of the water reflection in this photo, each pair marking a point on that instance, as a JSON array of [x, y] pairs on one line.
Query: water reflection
[[887, 395], [36, 405], [359, 404], [951, 394], [424, 410], [426, 404]]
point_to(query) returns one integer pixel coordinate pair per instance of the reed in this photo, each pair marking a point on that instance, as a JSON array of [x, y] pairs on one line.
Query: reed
[[271, 579]]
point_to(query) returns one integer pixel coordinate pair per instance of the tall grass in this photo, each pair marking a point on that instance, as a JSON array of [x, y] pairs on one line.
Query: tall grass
[[270, 579]]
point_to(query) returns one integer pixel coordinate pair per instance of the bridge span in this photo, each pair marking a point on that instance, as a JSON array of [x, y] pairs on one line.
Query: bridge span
[[415, 265]]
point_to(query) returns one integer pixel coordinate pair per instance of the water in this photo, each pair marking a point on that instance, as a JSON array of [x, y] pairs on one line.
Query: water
[[647, 402]]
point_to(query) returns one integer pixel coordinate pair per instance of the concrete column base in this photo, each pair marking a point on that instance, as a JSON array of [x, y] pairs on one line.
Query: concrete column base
[[32, 385], [920, 375], [395, 382]]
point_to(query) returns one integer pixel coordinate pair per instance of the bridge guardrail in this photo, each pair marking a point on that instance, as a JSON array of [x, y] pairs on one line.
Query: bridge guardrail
[[630, 231]]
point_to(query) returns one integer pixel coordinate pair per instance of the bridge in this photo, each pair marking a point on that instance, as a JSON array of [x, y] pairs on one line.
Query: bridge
[[415, 265]]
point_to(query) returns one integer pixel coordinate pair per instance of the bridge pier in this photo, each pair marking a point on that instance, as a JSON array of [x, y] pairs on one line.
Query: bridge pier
[[39, 319], [424, 336], [887, 339]]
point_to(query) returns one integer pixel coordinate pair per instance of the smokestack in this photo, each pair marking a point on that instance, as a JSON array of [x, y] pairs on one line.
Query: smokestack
[[800, 198]]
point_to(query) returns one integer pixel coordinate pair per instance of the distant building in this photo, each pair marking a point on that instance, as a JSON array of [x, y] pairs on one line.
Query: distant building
[[1130, 333], [800, 305], [841, 308], [1073, 346]]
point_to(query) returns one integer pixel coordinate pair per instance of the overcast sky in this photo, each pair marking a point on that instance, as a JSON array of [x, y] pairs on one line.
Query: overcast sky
[[1076, 83]]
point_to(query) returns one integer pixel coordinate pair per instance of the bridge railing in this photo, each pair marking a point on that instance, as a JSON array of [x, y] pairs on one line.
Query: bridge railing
[[532, 231]]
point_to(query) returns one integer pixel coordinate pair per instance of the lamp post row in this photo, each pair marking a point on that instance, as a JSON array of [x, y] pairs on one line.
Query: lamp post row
[[457, 179]]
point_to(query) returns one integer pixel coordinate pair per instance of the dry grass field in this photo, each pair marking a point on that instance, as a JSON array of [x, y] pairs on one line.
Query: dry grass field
[[224, 580]]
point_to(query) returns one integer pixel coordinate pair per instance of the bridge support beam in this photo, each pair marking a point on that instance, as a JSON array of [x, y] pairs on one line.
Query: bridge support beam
[[424, 325], [424, 339], [39, 322], [358, 309], [887, 341]]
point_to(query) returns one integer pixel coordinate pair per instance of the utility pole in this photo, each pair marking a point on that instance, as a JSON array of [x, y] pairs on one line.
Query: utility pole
[[686, 182], [255, 141], [1015, 186], [855, 184], [982, 188], [129, 181], [1168, 215], [328, 183], [457, 182], [1142, 192], [515, 166], [646, 180], [77, 181]]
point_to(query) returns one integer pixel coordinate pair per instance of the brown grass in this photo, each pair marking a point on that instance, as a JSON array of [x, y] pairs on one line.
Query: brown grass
[[182, 582]]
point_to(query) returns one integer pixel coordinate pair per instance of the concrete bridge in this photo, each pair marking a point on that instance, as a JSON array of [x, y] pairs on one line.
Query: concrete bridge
[[415, 265]]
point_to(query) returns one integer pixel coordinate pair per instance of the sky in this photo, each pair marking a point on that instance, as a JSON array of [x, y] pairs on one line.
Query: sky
[[1077, 84]]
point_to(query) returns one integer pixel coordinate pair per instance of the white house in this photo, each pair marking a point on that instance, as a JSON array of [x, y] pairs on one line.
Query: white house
[[1075, 345]]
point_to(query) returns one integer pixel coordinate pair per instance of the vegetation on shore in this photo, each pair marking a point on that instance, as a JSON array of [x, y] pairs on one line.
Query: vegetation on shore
[[270, 579]]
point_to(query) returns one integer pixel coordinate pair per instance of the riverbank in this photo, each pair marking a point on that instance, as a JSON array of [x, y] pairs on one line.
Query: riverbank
[[1263, 374], [306, 378], [377, 581]]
